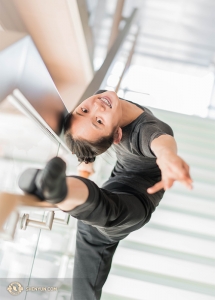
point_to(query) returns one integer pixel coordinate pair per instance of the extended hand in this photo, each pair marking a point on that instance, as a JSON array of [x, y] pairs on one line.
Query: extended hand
[[172, 168], [85, 170]]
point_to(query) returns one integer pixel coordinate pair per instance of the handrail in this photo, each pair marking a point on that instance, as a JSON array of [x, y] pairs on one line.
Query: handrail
[[26, 200], [128, 62], [116, 22], [18, 61], [112, 55], [12, 204]]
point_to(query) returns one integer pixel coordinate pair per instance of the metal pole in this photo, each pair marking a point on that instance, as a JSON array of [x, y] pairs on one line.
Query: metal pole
[[128, 61], [102, 73], [116, 21]]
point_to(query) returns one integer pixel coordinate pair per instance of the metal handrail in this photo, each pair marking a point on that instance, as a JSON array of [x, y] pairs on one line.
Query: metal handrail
[[128, 62], [36, 88], [110, 59], [11, 205]]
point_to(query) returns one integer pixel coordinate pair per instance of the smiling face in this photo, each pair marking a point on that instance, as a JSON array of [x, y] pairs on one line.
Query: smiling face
[[97, 116]]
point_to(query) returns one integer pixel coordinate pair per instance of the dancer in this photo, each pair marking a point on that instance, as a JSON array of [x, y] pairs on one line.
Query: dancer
[[147, 165]]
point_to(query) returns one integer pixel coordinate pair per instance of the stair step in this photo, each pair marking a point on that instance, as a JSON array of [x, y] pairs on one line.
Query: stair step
[[202, 175], [200, 190], [189, 148], [183, 119], [164, 266], [180, 245], [188, 204], [139, 290], [193, 159], [202, 140], [183, 222]]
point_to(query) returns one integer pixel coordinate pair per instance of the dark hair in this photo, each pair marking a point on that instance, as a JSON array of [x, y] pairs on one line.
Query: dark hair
[[85, 151]]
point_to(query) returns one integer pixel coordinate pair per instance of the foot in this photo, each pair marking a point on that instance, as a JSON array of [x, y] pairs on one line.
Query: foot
[[48, 184]]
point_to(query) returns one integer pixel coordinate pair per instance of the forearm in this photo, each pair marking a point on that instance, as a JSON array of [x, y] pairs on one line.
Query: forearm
[[164, 144], [171, 165], [77, 194]]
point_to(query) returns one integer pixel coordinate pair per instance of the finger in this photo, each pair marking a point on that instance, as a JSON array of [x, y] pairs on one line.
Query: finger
[[179, 171], [188, 172], [187, 168], [158, 186], [182, 174], [178, 165], [185, 179], [186, 183], [168, 183]]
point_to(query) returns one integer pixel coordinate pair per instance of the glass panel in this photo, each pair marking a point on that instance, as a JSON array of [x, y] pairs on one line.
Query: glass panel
[[54, 257], [23, 145]]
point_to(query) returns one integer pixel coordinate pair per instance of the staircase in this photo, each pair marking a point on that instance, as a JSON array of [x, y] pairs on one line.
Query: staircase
[[173, 256]]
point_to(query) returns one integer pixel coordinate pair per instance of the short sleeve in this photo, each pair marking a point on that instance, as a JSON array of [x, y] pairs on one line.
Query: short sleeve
[[146, 135]]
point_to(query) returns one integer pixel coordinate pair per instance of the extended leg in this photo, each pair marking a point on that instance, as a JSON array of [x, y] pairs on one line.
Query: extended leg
[[52, 185], [84, 200]]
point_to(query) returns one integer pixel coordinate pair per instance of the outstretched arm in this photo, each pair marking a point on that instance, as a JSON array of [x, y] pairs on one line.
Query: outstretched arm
[[172, 166]]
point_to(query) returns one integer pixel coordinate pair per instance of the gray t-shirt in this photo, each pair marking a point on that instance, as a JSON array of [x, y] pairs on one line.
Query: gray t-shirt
[[123, 205], [136, 163]]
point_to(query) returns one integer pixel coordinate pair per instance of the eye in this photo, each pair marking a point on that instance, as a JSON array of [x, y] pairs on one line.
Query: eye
[[84, 110], [99, 121]]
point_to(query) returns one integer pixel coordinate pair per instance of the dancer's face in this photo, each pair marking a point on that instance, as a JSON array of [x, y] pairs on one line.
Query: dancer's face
[[97, 116]]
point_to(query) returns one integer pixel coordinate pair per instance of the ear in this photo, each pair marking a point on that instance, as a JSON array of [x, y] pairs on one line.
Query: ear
[[117, 135]]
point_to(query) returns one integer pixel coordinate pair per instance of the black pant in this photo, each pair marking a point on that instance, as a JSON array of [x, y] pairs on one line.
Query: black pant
[[93, 257], [104, 219]]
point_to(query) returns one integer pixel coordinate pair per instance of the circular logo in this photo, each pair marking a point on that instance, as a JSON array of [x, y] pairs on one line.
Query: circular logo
[[15, 288]]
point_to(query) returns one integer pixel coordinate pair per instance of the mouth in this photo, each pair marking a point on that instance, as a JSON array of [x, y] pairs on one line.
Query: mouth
[[106, 101]]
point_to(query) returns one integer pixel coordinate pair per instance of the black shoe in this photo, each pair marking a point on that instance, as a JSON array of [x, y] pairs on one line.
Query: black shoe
[[48, 184]]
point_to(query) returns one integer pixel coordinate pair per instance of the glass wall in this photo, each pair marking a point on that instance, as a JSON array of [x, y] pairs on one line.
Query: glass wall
[[34, 254]]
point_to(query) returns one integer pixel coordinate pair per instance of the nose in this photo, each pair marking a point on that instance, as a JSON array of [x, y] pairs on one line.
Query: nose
[[98, 105]]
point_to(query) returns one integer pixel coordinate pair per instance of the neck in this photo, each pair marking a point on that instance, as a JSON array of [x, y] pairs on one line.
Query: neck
[[129, 113]]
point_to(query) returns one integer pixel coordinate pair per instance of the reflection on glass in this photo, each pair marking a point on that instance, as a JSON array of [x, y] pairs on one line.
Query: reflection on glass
[[23, 145]]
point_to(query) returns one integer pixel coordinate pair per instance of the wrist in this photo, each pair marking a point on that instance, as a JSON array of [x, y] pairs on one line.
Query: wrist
[[166, 152], [164, 145]]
